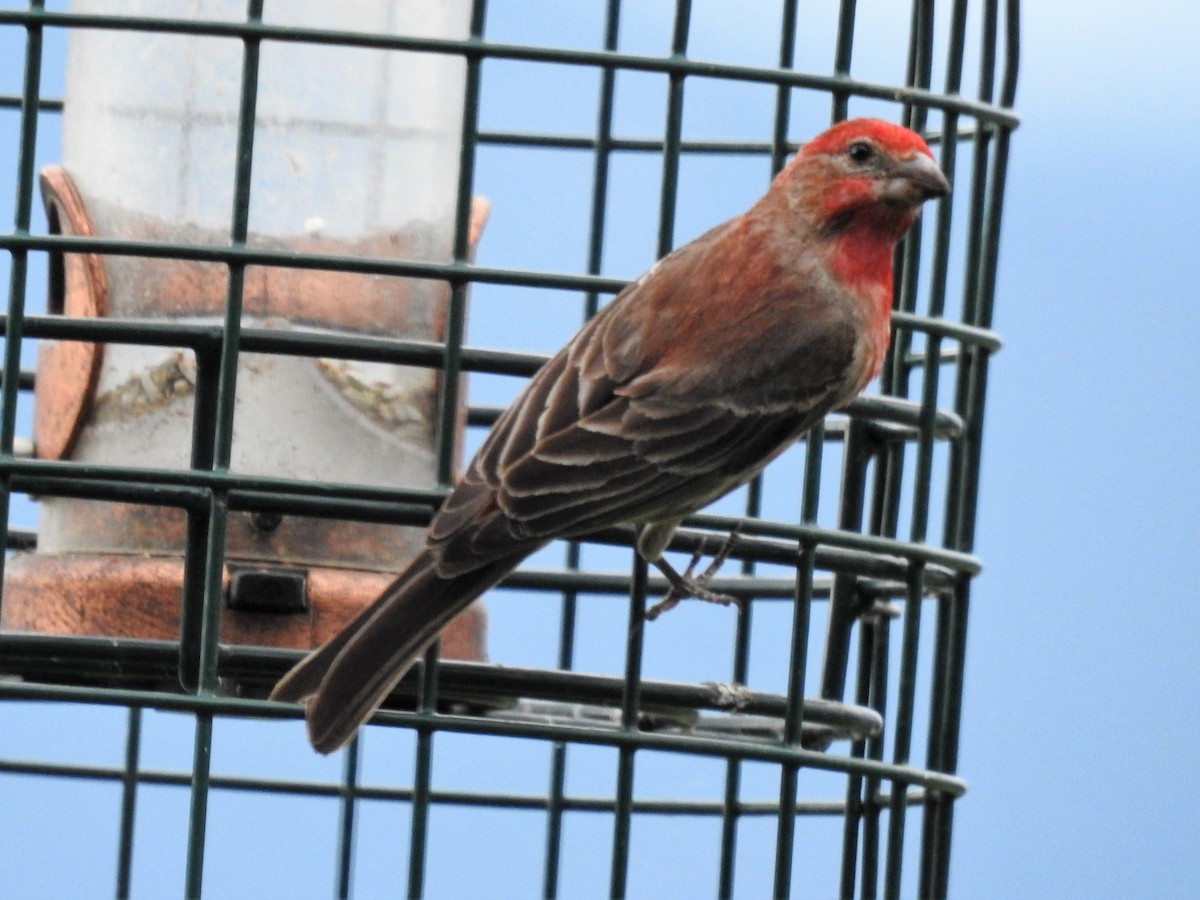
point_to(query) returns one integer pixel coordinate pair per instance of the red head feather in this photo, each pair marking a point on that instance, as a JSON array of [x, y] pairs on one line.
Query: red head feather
[[895, 138]]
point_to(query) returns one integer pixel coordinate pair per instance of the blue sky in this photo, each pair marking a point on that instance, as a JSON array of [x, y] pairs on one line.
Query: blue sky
[[1081, 716]]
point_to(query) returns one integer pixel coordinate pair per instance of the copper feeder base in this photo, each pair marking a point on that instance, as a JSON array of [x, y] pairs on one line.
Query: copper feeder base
[[139, 597]]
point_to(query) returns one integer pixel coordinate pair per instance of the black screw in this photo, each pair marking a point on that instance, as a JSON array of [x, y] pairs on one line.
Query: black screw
[[266, 522]]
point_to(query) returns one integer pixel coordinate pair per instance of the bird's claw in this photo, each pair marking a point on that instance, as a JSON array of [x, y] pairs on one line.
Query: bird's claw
[[687, 585]]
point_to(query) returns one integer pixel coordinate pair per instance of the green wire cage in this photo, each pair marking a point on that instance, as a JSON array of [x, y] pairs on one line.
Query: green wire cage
[[805, 744]]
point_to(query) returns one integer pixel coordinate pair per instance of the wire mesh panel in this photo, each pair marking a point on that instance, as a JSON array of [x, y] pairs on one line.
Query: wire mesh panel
[[804, 743]]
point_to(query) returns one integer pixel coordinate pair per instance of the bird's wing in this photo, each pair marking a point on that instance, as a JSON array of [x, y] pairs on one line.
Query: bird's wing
[[615, 428]]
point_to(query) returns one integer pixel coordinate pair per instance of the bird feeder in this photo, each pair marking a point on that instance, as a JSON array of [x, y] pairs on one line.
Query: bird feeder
[[355, 154]]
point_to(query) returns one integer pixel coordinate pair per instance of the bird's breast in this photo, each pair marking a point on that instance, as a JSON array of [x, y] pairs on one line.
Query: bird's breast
[[876, 334]]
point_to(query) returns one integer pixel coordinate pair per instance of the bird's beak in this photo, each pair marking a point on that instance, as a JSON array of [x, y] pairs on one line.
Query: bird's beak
[[915, 180]]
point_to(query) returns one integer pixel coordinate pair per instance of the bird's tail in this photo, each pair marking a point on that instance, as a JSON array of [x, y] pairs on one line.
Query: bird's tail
[[344, 680]]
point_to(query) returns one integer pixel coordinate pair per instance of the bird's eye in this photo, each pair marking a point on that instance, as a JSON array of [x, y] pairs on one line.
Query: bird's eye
[[861, 152]]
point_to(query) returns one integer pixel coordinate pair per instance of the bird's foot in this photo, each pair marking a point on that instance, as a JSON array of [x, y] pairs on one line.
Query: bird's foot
[[688, 585]]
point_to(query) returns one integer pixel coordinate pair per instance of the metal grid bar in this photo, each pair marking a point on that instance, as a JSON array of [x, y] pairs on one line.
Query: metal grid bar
[[349, 794], [970, 397], [212, 442], [868, 567], [602, 147], [925, 98], [130, 779], [22, 218], [495, 800]]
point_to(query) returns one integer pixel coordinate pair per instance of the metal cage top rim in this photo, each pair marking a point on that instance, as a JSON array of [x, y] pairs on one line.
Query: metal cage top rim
[[478, 48]]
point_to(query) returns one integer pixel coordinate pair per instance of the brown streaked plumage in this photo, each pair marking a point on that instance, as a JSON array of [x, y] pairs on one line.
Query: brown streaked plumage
[[683, 387]]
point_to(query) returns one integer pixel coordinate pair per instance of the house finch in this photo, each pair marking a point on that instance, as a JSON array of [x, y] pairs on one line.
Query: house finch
[[682, 388]]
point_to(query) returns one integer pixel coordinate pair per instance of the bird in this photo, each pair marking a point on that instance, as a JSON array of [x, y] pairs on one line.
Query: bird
[[683, 387]]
